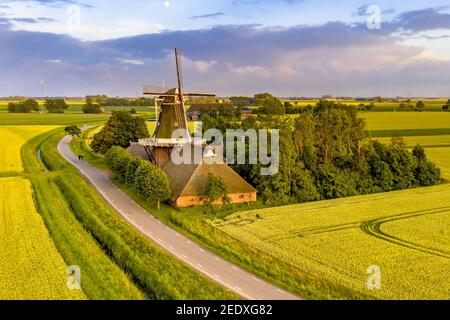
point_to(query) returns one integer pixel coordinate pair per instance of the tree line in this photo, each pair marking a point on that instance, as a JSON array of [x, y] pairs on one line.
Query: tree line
[[326, 153]]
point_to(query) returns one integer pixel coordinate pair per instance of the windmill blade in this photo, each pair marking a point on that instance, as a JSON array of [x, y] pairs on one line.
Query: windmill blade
[[178, 62], [156, 90], [199, 94]]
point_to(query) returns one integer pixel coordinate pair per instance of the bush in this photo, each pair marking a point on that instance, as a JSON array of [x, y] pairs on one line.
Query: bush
[[152, 183], [118, 159], [91, 108], [56, 106], [216, 189]]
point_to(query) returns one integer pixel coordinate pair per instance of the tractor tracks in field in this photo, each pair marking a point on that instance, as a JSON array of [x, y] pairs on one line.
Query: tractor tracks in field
[[373, 228]]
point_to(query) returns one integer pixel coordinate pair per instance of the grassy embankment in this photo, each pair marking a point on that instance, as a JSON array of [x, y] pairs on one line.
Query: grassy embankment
[[159, 275]]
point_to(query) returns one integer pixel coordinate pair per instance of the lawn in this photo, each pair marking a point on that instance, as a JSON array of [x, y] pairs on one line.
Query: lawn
[[13, 138], [405, 233], [30, 266]]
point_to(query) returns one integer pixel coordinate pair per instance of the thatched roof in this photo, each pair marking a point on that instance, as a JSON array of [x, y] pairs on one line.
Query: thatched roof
[[138, 150], [190, 179]]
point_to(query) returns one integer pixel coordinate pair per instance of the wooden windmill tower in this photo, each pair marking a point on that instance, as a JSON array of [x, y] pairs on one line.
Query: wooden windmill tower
[[172, 117]]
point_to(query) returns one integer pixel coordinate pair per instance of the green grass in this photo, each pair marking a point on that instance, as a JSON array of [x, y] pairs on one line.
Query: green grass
[[50, 119], [400, 121], [410, 132], [337, 240], [102, 279], [158, 273]]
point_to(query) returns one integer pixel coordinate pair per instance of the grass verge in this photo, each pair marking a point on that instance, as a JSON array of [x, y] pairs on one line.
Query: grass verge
[[160, 275]]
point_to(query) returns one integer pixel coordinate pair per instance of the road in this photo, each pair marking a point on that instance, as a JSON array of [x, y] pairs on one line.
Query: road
[[228, 275]]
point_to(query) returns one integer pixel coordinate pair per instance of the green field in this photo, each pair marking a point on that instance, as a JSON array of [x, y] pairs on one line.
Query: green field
[[339, 239], [430, 104]]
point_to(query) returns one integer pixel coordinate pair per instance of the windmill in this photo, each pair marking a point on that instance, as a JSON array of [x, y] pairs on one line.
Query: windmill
[[172, 117]]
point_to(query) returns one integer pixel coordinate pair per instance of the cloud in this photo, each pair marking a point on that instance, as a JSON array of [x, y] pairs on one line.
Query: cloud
[[332, 58], [208, 15], [55, 3]]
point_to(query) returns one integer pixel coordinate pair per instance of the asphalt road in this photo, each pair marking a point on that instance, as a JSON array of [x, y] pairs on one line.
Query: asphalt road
[[230, 276]]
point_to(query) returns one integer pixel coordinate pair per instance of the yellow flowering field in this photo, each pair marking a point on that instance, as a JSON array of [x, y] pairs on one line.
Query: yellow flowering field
[[30, 265], [406, 234], [12, 138]]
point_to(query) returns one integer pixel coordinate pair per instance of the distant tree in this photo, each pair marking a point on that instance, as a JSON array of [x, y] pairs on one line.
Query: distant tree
[[420, 106], [446, 106], [269, 104], [31, 104], [56, 106], [370, 106], [216, 189], [133, 111], [425, 173], [74, 131], [19, 107], [92, 108], [120, 130], [402, 106], [152, 183]]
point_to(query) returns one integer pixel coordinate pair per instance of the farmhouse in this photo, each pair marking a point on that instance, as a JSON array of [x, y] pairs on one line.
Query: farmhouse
[[195, 111]]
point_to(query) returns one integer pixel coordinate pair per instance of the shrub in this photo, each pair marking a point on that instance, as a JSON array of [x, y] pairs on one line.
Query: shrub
[[118, 160], [152, 183]]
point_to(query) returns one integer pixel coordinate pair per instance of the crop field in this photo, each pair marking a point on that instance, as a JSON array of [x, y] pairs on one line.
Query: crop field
[[430, 104], [407, 120], [424, 141], [340, 239], [30, 265], [406, 233], [12, 139]]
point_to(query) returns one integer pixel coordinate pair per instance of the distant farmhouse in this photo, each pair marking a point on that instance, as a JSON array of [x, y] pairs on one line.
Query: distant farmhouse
[[188, 181], [195, 112]]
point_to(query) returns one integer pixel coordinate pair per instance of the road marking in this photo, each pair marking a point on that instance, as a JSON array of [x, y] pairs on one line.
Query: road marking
[[238, 289], [217, 276], [184, 256], [235, 268], [199, 265], [202, 250], [171, 248], [280, 291], [256, 279]]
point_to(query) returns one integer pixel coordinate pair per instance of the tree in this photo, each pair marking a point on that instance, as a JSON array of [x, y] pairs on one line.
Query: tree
[[446, 106], [370, 106], [118, 160], [74, 131], [91, 108], [216, 189], [120, 130], [152, 183], [31, 104], [19, 107], [56, 106], [420, 106], [269, 104]]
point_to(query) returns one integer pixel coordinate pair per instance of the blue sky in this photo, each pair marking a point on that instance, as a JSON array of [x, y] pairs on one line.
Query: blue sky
[[288, 47]]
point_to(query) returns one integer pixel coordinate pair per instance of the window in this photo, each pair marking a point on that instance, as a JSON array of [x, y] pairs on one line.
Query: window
[[241, 196]]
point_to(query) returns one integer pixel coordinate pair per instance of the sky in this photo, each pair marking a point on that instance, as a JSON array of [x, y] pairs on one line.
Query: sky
[[237, 47]]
